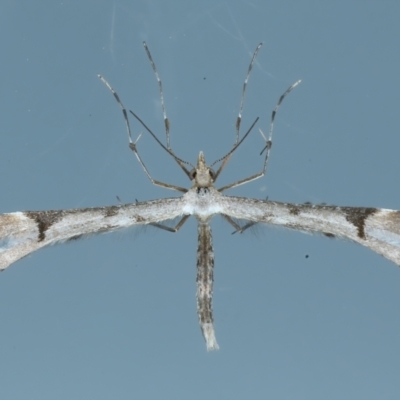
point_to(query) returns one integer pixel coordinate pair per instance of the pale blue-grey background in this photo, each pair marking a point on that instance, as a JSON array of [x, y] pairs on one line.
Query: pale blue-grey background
[[115, 316]]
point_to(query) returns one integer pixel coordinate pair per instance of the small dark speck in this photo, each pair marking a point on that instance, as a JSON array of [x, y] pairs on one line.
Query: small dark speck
[[204, 78], [307, 255]]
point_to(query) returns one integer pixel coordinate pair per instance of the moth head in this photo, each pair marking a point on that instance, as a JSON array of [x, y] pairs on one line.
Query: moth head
[[202, 175]]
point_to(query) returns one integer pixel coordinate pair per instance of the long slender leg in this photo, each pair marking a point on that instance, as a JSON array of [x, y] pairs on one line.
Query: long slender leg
[[132, 144], [166, 121], [239, 117], [227, 156], [205, 279], [274, 111], [267, 146], [169, 151], [166, 124], [124, 112], [237, 227], [245, 226], [177, 226], [242, 228]]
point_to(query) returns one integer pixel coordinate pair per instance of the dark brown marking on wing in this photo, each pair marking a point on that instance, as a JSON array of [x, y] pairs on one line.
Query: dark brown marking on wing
[[357, 216], [139, 219], [44, 220], [111, 211], [294, 209]]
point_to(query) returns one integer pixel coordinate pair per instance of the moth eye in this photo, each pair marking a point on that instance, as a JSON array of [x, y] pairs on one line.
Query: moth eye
[[211, 172], [193, 173]]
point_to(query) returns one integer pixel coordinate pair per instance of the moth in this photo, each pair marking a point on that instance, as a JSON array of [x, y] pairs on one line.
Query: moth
[[23, 232]]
